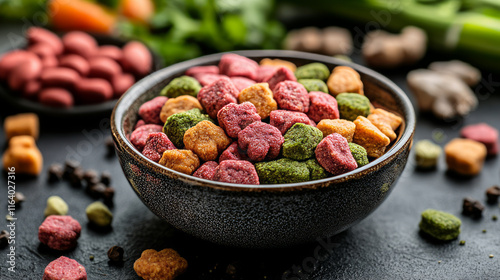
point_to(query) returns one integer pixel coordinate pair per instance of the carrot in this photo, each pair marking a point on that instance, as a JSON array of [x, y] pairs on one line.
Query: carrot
[[80, 15], [137, 10]]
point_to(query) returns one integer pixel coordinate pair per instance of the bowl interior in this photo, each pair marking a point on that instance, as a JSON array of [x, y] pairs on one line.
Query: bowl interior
[[381, 91]]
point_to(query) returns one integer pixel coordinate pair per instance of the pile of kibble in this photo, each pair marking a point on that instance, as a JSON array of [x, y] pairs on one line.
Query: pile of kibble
[[248, 123], [72, 70]]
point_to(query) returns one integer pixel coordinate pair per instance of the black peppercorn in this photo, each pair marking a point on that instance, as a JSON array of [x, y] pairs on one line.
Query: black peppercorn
[[115, 254]]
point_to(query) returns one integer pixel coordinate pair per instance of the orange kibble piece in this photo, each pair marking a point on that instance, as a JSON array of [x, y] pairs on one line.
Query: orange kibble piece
[[278, 63], [207, 140], [166, 264], [343, 127], [386, 121], [370, 137], [465, 156], [261, 96], [178, 105], [21, 124], [184, 161], [23, 155], [344, 79]]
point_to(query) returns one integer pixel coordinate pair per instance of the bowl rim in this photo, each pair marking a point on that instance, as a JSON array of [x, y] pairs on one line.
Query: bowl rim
[[154, 78]]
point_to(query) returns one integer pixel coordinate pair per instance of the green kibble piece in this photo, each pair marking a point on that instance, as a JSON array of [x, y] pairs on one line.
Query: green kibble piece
[[314, 85], [183, 85], [56, 206], [99, 214], [282, 171], [427, 154], [352, 105], [316, 171], [440, 225], [300, 141], [359, 154], [313, 70], [177, 124]]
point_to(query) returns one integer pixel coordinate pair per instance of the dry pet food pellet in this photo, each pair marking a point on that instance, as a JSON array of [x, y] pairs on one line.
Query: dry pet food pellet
[[217, 95], [334, 155], [233, 152], [387, 122], [210, 69], [156, 144], [261, 97], [352, 105], [140, 135], [281, 74], [184, 85], [300, 141], [344, 79], [261, 141], [291, 96], [427, 154], [150, 111], [23, 155], [177, 124], [235, 117], [241, 83], [64, 268], [237, 65], [343, 127], [21, 124], [314, 85], [465, 156], [59, 232], [313, 70], [482, 133], [236, 172], [440, 225], [166, 264], [370, 137], [179, 104], [322, 106], [99, 214], [359, 154], [283, 119], [277, 63], [207, 170], [56, 206], [282, 171], [207, 140], [184, 161]]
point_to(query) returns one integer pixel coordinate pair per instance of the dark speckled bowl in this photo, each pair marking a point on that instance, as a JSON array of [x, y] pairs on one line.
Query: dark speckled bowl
[[267, 215]]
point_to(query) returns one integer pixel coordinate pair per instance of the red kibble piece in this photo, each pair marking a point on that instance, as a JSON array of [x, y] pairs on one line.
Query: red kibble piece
[[56, 97], [217, 95], [291, 96], [64, 268], [237, 65], [156, 144], [59, 77], [482, 133], [37, 35], [334, 155], [283, 119], [150, 111], [264, 72], [322, 106], [233, 152], [121, 83], [79, 43], [206, 79], [210, 69], [103, 67], [75, 62], [281, 74], [235, 117], [93, 91], [261, 141], [140, 135], [206, 170], [59, 232], [241, 83], [109, 51], [236, 172]]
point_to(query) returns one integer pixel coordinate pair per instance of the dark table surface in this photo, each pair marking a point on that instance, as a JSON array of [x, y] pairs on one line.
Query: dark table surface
[[386, 245]]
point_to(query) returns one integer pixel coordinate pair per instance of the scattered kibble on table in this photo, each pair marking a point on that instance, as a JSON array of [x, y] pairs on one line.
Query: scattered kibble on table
[[440, 225]]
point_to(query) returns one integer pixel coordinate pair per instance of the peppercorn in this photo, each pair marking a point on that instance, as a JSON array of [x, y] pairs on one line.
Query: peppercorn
[[492, 194], [55, 172], [4, 238], [115, 254], [472, 208], [106, 178]]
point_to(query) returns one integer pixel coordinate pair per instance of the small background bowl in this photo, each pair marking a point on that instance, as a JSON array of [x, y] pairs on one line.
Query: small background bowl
[[78, 111], [263, 216]]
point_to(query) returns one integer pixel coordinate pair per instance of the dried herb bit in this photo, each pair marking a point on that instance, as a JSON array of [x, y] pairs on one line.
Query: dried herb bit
[[4, 238], [462, 242], [484, 231], [494, 217], [439, 261], [19, 198], [55, 172], [91, 257], [492, 194], [491, 256], [115, 254], [472, 208]]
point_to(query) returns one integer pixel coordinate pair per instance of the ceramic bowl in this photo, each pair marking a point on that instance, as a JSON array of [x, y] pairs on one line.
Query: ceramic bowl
[[262, 216]]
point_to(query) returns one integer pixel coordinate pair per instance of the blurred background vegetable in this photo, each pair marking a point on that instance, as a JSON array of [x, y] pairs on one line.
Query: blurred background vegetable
[[176, 29]]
